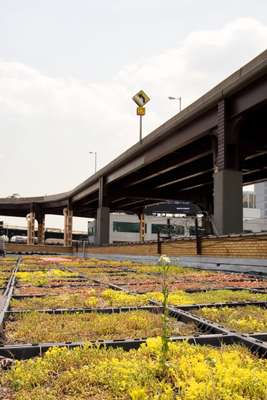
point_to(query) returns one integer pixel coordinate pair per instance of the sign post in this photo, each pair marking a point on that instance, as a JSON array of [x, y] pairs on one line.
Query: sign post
[[140, 99]]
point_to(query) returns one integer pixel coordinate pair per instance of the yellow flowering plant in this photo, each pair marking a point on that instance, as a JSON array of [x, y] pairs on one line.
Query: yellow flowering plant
[[195, 373], [244, 319]]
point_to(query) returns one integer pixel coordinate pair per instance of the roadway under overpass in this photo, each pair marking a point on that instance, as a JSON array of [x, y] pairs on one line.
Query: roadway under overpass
[[50, 233], [204, 154]]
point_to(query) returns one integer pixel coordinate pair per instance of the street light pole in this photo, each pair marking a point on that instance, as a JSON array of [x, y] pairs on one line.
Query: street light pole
[[95, 155], [140, 99], [140, 129], [95, 161], [179, 100]]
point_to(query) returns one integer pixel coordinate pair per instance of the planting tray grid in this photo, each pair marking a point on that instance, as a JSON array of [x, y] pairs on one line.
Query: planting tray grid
[[27, 351], [211, 333], [233, 288], [252, 341], [7, 294], [201, 327], [154, 305], [233, 304]]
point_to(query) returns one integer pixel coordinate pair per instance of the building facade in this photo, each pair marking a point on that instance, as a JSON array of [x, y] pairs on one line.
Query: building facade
[[261, 198], [126, 227]]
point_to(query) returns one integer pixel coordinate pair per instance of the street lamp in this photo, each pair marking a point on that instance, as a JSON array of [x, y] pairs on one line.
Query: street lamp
[[95, 154], [177, 98]]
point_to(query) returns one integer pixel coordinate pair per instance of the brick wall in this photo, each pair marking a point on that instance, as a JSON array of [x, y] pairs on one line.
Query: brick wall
[[253, 246], [232, 246], [186, 247], [132, 249], [28, 248], [172, 248]]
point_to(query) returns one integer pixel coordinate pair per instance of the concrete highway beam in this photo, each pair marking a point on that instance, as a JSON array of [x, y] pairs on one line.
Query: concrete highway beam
[[85, 192], [258, 175], [165, 169], [121, 172], [247, 99]]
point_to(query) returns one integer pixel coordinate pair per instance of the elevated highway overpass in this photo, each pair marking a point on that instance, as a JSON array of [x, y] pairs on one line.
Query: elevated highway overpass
[[204, 154]]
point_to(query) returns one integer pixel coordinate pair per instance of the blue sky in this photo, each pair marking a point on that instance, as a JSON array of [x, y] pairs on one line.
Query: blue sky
[[68, 70]]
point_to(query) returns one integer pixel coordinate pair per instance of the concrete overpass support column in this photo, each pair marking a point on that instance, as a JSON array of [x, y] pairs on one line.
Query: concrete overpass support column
[[30, 227], [228, 202], [41, 229], [102, 217], [68, 215], [102, 226], [228, 197]]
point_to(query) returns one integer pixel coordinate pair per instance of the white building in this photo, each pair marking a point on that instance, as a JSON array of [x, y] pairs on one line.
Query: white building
[[126, 227], [261, 198], [252, 221], [261, 203], [255, 217]]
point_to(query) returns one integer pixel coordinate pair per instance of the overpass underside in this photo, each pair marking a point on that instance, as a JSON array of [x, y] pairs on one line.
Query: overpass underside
[[209, 171], [205, 154]]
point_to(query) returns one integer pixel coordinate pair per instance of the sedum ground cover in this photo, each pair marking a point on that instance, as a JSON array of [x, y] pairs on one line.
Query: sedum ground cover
[[40, 278], [2, 283], [96, 297], [216, 296], [37, 327], [120, 271], [52, 290], [244, 319], [4, 275], [194, 373], [6, 267], [90, 298]]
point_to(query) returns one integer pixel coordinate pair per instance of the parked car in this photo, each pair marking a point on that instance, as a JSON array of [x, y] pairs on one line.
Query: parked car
[[19, 239]]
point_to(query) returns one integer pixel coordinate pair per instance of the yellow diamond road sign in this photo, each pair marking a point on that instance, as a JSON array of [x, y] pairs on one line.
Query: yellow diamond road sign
[[141, 98], [140, 111]]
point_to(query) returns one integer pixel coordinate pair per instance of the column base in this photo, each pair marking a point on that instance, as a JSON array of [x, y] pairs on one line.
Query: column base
[[68, 214], [30, 228], [102, 226], [41, 229], [228, 202]]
